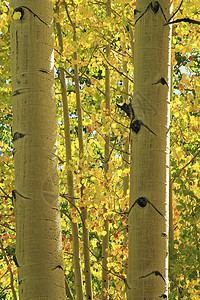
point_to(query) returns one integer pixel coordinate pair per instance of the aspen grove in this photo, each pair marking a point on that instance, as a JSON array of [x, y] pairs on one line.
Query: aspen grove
[[99, 149]]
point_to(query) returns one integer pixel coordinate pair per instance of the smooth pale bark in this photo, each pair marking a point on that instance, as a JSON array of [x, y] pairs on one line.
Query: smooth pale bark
[[36, 202], [131, 38], [171, 227], [126, 156], [88, 276], [70, 181], [149, 177], [105, 239]]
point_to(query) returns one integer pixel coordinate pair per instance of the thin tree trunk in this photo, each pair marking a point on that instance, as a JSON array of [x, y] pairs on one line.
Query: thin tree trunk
[[105, 239], [126, 156], [149, 176], [131, 37], [70, 183], [36, 202], [171, 227], [68, 290], [88, 276], [126, 149]]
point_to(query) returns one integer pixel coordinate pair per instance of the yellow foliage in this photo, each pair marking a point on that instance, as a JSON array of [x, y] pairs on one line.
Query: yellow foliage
[[94, 31], [17, 15]]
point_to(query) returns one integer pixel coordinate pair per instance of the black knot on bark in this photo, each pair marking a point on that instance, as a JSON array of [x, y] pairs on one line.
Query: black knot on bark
[[155, 6], [142, 201], [136, 125]]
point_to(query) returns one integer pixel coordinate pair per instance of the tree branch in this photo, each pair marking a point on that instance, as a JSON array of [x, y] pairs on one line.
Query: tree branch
[[175, 11], [186, 20], [115, 68], [10, 270], [193, 158]]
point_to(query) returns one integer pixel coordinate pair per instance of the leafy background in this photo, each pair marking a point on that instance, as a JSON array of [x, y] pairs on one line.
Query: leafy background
[[95, 30]]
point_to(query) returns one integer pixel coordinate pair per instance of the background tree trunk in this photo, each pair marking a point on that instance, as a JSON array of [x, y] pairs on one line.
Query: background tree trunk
[[105, 239], [149, 176], [88, 275], [70, 180], [36, 203]]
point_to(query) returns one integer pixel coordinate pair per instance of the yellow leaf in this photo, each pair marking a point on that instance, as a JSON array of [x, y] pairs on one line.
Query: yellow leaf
[[11, 11], [104, 232], [5, 9], [113, 125], [17, 15], [176, 114], [4, 29]]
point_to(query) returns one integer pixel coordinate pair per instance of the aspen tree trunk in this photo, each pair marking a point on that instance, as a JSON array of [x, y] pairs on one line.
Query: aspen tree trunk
[[126, 156], [105, 239], [126, 144], [36, 202], [149, 177], [171, 227], [131, 38], [70, 181], [88, 276], [84, 215]]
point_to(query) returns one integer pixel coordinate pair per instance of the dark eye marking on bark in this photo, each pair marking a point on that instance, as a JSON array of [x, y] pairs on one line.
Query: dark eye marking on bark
[[164, 296], [20, 9], [164, 234], [154, 6], [18, 135], [156, 273], [142, 202], [15, 192], [136, 126], [162, 81], [128, 109], [58, 267]]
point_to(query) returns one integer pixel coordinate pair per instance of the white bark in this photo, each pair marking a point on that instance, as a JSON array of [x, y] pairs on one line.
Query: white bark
[[149, 178], [36, 203]]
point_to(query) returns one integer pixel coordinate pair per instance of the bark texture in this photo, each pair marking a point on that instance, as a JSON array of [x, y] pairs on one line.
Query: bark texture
[[70, 180], [149, 177], [36, 202]]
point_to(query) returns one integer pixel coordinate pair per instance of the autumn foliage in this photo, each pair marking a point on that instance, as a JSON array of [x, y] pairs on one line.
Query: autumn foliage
[[94, 189]]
